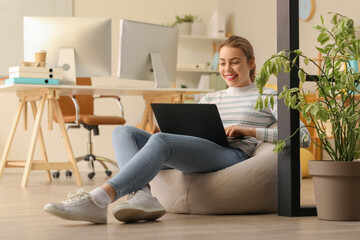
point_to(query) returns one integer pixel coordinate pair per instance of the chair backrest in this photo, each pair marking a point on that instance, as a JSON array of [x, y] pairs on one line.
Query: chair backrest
[[86, 102]]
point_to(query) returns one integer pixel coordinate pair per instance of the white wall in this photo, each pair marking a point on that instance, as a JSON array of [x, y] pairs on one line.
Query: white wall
[[256, 21]]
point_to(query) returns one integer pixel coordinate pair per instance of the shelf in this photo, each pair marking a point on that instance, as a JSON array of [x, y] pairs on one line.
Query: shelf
[[195, 70], [201, 38]]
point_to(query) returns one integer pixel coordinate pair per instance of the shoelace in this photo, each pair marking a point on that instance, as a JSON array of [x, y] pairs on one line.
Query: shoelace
[[76, 195]]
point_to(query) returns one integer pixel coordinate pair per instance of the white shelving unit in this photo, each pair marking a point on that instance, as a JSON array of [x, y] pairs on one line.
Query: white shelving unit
[[195, 52]]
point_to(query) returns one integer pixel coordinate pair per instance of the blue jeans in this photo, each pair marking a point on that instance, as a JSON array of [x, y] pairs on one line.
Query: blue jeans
[[141, 155]]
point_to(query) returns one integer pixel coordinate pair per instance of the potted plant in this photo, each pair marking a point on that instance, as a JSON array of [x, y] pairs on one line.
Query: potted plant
[[338, 103], [184, 23]]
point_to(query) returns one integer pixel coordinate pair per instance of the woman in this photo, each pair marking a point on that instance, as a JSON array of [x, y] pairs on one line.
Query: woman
[[141, 156]]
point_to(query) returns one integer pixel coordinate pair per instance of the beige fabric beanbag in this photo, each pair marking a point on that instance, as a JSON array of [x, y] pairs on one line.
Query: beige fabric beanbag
[[247, 187]]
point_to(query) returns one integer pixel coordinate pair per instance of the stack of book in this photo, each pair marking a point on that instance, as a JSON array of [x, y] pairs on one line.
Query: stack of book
[[34, 75]]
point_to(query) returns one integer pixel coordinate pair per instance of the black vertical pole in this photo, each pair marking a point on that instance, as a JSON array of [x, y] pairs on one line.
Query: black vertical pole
[[289, 160]]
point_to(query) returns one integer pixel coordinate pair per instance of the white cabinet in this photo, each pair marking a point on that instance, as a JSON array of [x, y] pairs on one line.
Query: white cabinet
[[195, 55]]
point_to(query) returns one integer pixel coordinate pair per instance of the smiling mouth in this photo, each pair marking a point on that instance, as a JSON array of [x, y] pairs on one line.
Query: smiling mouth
[[230, 77]]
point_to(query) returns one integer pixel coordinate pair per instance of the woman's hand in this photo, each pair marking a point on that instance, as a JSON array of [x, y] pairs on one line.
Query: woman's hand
[[237, 131]]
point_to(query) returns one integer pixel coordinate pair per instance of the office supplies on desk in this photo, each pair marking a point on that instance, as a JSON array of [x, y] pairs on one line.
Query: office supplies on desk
[[22, 80], [35, 75], [35, 72], [54, 70]]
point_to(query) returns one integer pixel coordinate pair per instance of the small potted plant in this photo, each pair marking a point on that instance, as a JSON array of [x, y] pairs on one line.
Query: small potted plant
[[184, 23], [338, 103]]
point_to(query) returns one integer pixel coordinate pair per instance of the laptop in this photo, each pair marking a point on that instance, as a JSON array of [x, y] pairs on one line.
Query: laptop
[[198, 120]]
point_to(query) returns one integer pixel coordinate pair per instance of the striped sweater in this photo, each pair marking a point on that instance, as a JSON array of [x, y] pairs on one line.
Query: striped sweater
[[237, 107]]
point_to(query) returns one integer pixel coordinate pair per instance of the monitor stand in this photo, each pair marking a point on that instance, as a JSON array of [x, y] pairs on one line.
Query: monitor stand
[[66, 60], [161, 78]]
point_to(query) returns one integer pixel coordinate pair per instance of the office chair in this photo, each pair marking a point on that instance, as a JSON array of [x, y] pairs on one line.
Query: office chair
[[78, 110]]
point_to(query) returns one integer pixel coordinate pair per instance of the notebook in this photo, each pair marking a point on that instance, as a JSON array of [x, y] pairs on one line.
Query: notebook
[[198, 120]]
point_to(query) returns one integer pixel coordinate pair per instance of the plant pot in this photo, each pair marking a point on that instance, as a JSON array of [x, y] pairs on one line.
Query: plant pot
[[337, 189], [184, 28], [198, 29]]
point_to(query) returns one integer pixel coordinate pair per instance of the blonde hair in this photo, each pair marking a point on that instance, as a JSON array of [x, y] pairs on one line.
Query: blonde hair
[[243, 44]]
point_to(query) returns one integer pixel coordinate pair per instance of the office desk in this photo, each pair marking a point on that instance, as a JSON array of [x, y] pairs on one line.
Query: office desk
[[28, 93]]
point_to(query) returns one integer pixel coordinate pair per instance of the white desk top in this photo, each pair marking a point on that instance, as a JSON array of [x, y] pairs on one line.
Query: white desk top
[[102, 90]]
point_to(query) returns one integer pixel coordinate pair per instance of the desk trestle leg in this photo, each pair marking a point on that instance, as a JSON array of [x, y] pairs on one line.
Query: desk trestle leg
[[41, 141], [66, 139], [11, 136], [34, 136], [41, 95]]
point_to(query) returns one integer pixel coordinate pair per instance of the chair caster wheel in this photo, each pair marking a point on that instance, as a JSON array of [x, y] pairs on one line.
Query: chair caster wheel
[[56, 174], [68, 173], [108, 173], [91, 175]]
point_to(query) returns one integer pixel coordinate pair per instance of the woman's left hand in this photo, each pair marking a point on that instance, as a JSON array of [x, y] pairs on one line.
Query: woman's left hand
[[237, 131]]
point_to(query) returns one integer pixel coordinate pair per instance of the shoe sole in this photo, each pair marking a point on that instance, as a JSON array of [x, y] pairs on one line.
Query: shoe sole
[[129, 215], [68, 216]]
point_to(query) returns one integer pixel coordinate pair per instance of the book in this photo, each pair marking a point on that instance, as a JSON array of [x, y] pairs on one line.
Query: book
[[22, 80], [35, 75], [35, 69], [215, 61]]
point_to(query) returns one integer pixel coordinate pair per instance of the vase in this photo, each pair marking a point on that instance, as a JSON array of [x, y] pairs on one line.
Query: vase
[[337, 189], [184, 28], [198, 29]]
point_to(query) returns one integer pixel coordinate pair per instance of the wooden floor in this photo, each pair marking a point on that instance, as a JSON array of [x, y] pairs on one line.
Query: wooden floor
[[22, 217]]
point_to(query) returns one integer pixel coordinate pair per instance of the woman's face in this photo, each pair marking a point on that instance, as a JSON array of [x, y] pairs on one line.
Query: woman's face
[[234, 67]]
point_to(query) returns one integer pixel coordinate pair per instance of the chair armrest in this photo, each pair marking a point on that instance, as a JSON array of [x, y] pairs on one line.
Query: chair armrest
[[109, 96], [77, 109], [116, 98]]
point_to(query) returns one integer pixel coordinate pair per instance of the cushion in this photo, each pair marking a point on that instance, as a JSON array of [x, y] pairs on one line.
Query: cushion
[[246, 187]]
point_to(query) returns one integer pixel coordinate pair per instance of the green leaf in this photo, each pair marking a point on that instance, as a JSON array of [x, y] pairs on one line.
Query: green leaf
[[298, 52], [334, 19], [305, 138], [272, 101], [274, 69], [301, 75], [293, 101], [322, 50], [287, 67], [259, 105], [282, 94], [323, 38], [318, 27], [306, 61], [279, 146], [266, 101]]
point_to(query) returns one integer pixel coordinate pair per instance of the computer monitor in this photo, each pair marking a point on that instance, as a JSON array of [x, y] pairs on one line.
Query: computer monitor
[[147, 52], [82, 46]]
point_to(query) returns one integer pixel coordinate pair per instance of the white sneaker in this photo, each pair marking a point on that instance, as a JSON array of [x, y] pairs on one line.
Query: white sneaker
[[80, 206], [139, 206]]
